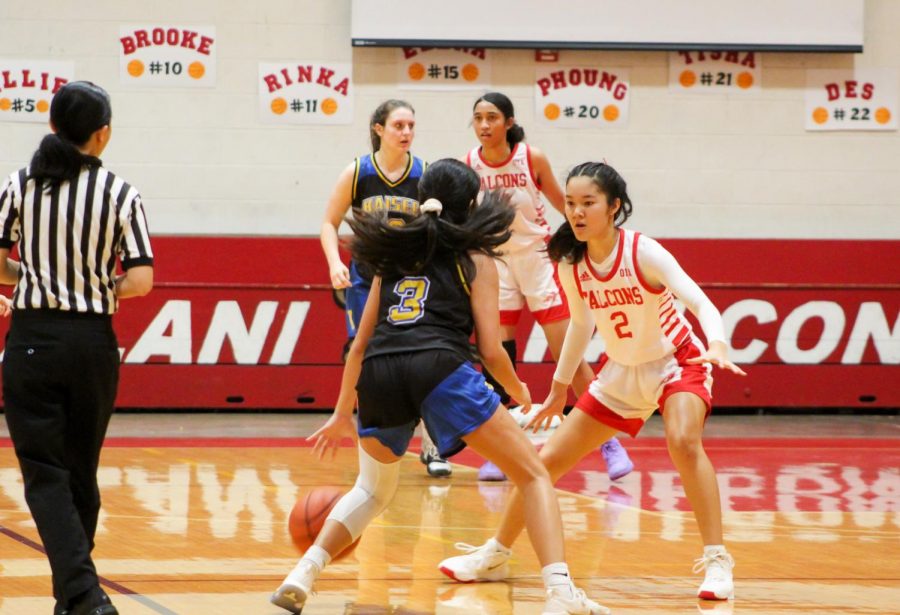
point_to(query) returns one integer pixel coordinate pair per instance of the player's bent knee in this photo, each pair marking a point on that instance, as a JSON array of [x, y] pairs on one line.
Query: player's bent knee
[[374, 489]]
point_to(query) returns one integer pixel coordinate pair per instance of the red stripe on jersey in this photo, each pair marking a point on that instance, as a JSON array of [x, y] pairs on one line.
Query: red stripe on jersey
[[672, 327], [581, 292], [637, 267], [531, 166], [666, 316], [682, 336]]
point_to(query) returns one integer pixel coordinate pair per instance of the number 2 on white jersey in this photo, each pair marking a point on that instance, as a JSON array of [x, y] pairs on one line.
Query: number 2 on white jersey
[[621, 319]]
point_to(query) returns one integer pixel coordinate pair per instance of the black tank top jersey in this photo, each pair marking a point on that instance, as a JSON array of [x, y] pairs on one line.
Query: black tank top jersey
[[427, 311], [372, 191]]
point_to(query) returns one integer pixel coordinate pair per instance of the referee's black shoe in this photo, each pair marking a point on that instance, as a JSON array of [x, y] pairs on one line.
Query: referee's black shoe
[[92, 602]]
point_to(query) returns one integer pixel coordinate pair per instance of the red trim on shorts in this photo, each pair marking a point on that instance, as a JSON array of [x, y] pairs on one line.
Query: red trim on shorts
[[531, 167], [510, 317], [615, 268], [499, 164], [637, 267], [693, 379], [589, 404], [553, 314]]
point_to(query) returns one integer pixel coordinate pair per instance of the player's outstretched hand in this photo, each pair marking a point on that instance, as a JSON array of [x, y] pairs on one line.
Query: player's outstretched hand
[[332, 433], [718, 356], [523, 397], [340, 276], [552, 406], [5, 306]]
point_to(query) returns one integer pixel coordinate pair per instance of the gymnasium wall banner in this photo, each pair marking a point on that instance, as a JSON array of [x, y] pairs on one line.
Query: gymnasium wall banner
[[28, 86], [860, 99], [227, 333], [715, 72], [429, 68], [167, 56], [304, 92], [582, 96]]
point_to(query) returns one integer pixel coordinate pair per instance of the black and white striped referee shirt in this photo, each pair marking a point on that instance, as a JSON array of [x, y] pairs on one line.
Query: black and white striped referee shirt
[[69, 236]]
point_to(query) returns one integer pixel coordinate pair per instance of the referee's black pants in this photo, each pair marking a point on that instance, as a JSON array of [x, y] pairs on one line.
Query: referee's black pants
[[60, 374]]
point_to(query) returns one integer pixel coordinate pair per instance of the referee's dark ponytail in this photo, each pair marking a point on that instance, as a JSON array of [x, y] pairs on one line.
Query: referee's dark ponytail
[[79, 109], [450, 226]]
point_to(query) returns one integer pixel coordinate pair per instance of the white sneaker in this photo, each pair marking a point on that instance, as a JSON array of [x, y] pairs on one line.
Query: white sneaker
[[296, 588], [484, 563], [569, 600], [719, 581]]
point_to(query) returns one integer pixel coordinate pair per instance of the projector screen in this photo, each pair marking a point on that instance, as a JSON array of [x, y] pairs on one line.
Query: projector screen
[[762, 25]]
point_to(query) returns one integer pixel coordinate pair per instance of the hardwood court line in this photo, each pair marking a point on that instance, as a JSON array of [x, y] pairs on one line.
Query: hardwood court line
[[117, 587]]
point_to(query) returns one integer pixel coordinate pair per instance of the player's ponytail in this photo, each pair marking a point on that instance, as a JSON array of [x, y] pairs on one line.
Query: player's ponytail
[[79, 109], [563, 245], [515, 133], [450, 225]]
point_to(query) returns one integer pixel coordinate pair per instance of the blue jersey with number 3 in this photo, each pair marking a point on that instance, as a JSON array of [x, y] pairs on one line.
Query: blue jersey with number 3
[[426, 311]]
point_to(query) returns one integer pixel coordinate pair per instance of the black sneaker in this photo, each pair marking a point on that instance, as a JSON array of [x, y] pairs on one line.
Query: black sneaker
[[92, 602]]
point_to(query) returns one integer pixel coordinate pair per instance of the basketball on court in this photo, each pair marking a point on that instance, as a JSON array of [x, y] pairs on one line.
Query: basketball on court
[[308, 516]]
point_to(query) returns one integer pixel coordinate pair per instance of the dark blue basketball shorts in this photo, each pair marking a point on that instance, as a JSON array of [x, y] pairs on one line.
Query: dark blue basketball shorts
[[437, 386], [355, 299]]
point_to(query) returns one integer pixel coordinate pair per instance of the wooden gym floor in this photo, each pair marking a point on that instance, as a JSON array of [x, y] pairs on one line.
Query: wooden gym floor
[[195, 507]]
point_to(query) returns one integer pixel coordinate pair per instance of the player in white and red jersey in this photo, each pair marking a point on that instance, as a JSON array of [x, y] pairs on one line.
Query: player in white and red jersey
[[505, 162], [624, 285]]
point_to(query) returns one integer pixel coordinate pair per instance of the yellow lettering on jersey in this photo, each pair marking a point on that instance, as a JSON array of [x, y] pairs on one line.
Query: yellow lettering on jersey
[[413, 292]]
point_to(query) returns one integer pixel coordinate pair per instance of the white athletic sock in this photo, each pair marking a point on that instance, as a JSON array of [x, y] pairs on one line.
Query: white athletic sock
[[556, 576], [318, 556], [495, 544], [713, 549]]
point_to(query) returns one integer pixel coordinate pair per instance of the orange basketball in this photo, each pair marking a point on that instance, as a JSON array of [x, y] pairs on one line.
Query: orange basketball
[[278, 105], [43, 106], [308, 516], [820, 115], [196, 70], [882, 115], [610, 113], [551, 111], [470, 72], [135, 68], [329, 106], [745, 80], [687, 78], [5, 104], [416, 71]]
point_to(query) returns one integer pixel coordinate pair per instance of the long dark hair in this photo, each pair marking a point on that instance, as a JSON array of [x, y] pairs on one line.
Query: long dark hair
[[380, 116], [515, 133], [78, 110], [563, 244], [460, 227]]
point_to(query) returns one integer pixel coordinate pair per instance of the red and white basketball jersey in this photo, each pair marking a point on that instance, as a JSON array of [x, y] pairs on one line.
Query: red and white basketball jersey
[[637, 324], [515, 176]]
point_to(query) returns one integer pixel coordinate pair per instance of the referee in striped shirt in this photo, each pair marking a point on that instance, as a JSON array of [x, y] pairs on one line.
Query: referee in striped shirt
[[71, 220]]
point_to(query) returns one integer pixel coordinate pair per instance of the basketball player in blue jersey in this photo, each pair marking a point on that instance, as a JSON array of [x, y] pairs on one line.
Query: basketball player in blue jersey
[[435, 285], [385, 180]]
